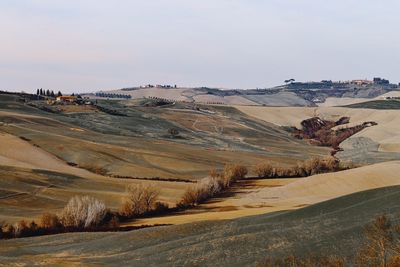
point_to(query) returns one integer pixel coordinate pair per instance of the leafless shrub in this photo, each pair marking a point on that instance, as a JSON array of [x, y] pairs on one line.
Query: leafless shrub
[[210, 186], [20, 227], [203, 190], [83, 212], [232, 173], [49, 221], [264, 170], [141, 198], [381, 247], [190, 197]]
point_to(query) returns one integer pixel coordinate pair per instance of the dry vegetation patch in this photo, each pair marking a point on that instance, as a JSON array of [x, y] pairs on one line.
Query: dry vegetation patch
[[302, 169]]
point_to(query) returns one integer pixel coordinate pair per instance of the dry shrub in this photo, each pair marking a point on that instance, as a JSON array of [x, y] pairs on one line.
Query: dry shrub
[[264, 170], [141, 199], [347, 165], [232, 173], [205, 189], [190, 197], [9, 229], [49, 221], [317, 165], [306, 168], [83, 212], [382, 244], [20, 228], [214, 173], [208, 187]]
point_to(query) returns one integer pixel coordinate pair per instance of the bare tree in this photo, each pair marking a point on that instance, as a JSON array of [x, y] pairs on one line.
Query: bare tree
[[140, 199], [83, 212], [381, 244]]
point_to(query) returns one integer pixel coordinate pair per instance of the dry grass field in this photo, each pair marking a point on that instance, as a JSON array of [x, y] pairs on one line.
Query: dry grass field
[[48, 157]]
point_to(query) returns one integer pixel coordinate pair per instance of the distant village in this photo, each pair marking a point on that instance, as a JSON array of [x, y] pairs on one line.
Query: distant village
[[328, 84]]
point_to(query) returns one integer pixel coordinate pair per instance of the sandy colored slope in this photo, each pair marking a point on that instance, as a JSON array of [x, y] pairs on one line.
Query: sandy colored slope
[[290, 194], [342, 101], [322, 187], [228, 100], [386, 133], [19, 153], [27, 193]]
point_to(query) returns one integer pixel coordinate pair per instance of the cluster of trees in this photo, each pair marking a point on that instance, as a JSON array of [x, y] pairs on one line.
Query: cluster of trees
[[302, 169], [47, 92], [142, 200], [380, 247], [112, 95], [80, 213]]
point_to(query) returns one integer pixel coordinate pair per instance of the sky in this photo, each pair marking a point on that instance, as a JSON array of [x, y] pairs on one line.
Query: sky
[[91, 45]]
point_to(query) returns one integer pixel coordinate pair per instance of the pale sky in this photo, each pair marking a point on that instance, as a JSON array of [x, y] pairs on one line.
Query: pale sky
[[89, 45]]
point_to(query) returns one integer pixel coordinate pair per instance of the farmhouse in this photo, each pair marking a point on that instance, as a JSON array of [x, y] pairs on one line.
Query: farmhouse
[[362, 82], [67, 98]]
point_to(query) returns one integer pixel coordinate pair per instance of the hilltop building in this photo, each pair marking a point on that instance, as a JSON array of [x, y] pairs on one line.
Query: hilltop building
[[66, 98], [362, 82]]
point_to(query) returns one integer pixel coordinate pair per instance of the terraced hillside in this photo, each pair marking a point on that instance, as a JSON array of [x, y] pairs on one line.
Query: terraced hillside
[[333, 227]]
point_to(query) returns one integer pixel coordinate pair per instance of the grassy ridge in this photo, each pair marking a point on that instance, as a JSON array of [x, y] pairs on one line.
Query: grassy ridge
[[377, 104]]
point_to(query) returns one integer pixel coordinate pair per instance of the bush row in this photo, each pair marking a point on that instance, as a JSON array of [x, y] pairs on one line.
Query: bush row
[[213, 185], [302, 169]]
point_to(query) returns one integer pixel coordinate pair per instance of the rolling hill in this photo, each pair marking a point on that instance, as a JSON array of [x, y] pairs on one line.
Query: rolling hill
[[332, 227]]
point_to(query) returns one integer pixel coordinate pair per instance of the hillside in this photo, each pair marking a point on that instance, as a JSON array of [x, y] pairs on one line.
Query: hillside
[[48, 157], [377, 104], [334, 226], [272, 195], [375, 144], [325, 93]]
